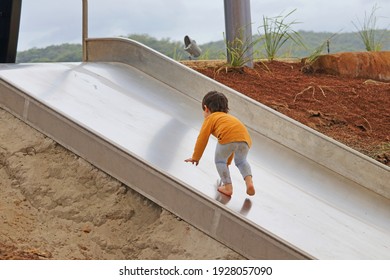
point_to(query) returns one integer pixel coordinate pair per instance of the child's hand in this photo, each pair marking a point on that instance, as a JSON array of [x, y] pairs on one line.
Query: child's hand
[[192, 161]]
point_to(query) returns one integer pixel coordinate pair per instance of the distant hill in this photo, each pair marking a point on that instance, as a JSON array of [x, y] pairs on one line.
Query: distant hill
[[61, 53], [340, 42]]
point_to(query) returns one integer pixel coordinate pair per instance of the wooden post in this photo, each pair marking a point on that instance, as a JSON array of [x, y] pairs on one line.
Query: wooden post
[[85, 29]]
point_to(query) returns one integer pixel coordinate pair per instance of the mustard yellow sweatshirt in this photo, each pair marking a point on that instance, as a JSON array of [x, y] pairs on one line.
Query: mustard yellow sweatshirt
[[225, 127]]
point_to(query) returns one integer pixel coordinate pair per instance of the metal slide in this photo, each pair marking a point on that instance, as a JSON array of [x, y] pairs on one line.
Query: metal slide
[[140, 127]]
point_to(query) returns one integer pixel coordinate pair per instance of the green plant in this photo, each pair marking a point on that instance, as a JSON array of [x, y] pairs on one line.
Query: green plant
[[177, 55], [368, 31], [205, 55], [318, 51], [239, 51], [277, 32]]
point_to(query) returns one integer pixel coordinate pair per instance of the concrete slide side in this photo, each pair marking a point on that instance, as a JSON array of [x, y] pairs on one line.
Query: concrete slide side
[[135, 114]]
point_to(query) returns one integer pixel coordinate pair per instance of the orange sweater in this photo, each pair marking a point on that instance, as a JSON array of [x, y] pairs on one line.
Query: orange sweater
[[225, 127]]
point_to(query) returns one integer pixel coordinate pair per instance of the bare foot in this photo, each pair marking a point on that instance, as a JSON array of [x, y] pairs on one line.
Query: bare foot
[[250, 188], [226, 189]]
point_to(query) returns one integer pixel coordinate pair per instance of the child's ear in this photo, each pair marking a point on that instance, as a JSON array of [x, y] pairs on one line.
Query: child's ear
[[206, 109]]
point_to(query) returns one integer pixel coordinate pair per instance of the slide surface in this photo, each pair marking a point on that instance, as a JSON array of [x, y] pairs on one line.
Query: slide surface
[[297, 200]]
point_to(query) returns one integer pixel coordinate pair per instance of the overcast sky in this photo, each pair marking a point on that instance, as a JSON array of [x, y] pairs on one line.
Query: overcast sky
[[48, 22]]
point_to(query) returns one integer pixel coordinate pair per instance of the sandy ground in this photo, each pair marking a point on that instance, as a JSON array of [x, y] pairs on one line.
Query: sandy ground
[[55, 205]]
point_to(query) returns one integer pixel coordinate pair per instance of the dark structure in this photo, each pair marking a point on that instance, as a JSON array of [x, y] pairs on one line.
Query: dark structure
[[9, 29], [238, 25]]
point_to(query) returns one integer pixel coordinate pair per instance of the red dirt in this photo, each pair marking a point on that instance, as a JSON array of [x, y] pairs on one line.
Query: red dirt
[[353, 111]]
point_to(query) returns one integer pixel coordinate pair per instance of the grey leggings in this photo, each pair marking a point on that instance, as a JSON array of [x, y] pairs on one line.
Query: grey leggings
[[222, 154]]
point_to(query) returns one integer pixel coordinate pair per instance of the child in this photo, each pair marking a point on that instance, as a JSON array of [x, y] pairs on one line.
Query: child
[[233, 141]]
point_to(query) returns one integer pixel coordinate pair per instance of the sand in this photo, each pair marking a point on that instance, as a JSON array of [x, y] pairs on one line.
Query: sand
[[55, 205]]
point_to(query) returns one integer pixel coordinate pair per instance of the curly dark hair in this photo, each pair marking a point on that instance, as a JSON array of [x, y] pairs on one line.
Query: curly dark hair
[[216, 102]]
